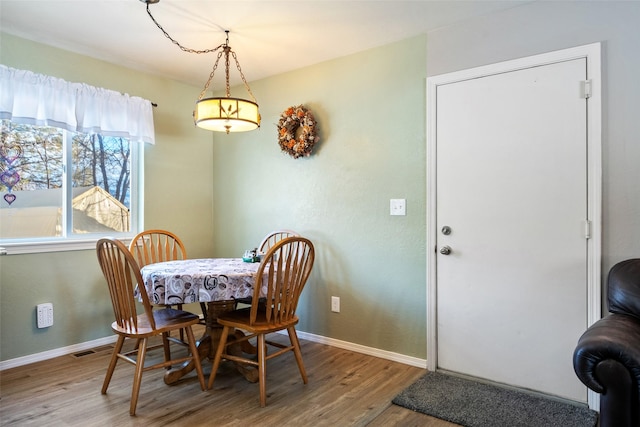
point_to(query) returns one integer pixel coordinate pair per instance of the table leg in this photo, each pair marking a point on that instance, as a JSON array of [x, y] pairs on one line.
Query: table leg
[[208, 344], [215, 331], [173, 375]]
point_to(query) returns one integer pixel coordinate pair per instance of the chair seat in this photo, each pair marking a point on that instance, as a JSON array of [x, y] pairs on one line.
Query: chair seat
[[240, 319], [166, 320]]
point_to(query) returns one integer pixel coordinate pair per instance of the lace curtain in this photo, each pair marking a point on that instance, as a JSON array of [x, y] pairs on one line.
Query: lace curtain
[[36, 99]]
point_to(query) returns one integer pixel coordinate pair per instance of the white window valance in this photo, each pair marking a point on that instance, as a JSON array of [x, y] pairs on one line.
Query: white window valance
[[37, 99]]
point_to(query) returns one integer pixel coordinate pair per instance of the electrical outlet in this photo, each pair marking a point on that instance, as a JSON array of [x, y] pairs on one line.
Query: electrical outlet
[[398, 206], [45, 315], [335, 304]]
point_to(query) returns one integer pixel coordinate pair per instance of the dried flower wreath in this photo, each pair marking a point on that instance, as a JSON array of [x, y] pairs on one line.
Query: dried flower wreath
[[297, 131]]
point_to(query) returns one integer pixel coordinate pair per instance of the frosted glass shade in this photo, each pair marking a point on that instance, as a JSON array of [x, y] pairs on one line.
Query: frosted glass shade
[[226, 115]]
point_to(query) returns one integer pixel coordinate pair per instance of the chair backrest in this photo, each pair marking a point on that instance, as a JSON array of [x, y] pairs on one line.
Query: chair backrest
[[273, 238], [283, 273], [122, 274], [153, 246]]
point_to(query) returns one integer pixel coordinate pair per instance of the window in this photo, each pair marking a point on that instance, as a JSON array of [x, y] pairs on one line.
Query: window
[[71, 159], [58, 184]]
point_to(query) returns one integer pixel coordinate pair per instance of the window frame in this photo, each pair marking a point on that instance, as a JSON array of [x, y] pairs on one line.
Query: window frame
[[84, 241]]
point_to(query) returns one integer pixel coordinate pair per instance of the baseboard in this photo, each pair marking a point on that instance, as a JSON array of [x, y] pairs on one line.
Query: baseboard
[[50, 354], [370, 351]]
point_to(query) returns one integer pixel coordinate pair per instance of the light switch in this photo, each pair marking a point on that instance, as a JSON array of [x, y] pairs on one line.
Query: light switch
[[398, 207]]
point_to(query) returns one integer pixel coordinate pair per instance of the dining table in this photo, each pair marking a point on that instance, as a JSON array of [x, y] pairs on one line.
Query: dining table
[[217, 282]]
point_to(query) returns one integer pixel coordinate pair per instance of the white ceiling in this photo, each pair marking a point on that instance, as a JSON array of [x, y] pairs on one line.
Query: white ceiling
[[269, 37]]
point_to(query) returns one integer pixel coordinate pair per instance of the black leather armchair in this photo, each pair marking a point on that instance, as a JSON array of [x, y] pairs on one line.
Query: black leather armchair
[[607, 357]]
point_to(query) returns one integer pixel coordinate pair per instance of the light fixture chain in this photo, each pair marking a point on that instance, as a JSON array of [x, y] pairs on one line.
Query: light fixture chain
[[215, 67], [226, 67], [218, 114], [246, 85], [183, 48]]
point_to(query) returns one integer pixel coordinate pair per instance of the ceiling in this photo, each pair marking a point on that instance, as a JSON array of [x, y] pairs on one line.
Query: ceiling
[[269, 37]]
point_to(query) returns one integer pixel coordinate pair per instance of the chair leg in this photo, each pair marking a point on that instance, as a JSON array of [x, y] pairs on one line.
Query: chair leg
[[181, 330], [112, 363], [262, 369], [137, 378], [293, 337], [216, 361], [167, 349], [196, 357]]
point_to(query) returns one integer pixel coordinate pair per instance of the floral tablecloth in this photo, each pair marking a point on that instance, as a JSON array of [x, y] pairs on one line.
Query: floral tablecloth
[[199, 280]]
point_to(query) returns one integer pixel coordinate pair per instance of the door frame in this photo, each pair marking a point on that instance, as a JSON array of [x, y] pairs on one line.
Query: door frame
[[594, 179]]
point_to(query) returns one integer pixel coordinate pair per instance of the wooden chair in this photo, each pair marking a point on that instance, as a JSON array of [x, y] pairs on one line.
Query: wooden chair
[[273, 238], [153, 246], [268, 241], [122, 274], [283, 272]]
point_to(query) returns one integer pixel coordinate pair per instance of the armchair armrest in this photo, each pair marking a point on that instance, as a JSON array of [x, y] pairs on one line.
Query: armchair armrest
[[614, 338]]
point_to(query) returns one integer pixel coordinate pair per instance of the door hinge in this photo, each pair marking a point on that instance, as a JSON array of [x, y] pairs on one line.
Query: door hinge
[[586, 89], [587, 229]]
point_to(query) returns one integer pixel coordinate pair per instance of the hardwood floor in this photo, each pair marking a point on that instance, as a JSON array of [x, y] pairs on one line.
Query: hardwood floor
[[344, 389]]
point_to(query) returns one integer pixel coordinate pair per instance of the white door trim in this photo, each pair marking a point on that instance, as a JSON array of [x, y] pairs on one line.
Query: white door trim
[[594, 146]]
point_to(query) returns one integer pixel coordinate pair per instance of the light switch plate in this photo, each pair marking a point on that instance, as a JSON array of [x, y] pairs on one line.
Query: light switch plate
[[397, 207]]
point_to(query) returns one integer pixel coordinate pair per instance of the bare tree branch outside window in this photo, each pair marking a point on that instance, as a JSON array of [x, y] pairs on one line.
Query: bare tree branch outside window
[[32, 161]]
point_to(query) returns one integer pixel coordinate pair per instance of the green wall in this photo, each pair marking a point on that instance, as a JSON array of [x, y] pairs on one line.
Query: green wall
[[178, 176], [370, 109], [222, 193]]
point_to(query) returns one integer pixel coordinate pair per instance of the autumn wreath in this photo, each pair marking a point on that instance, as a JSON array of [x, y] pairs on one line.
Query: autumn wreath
[[297, 131]]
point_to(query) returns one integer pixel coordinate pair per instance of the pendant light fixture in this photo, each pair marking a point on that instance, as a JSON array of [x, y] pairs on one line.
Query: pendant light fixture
[[221, 114]]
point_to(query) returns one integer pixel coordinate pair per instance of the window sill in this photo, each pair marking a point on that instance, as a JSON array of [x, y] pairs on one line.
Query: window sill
[[52, 246]]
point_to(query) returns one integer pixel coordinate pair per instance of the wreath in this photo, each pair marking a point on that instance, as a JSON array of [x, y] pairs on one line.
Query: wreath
[[297, 131]]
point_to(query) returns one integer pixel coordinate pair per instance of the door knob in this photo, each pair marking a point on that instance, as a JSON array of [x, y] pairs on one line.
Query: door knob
[[445, 250]]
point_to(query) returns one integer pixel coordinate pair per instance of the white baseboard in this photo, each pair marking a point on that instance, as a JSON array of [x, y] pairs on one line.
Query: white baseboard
[[50, 354], [357, 348], [370, 351]]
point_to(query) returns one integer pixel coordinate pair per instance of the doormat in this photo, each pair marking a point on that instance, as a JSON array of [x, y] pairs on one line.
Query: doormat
[[475, 404]]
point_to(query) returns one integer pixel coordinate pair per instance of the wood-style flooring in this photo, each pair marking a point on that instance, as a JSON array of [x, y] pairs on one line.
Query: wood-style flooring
[[344, 389]]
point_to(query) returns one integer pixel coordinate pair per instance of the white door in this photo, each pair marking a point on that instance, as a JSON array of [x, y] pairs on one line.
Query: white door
[[512, 204]]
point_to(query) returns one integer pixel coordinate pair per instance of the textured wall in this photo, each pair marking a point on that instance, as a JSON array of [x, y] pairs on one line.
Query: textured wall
[[222, 193], [370, 109]]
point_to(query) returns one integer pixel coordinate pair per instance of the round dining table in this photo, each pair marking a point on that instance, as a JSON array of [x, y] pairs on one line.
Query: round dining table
[[199, 280], [217, 282]]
